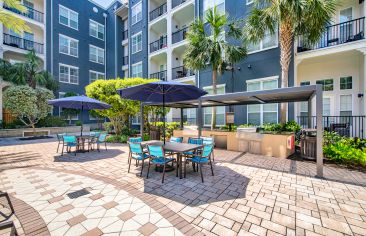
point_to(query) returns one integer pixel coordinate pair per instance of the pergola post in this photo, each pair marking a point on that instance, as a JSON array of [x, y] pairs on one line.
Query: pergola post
[[309, 114], [199, 117], [319, 131], [142, 120], [181, 118]]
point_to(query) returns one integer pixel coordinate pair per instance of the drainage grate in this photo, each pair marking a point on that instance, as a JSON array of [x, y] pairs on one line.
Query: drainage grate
[[78, 193]]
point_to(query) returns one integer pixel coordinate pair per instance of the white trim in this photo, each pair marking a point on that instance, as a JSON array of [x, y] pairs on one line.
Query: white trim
[[207, 88], [97, 73], [133, 36], [263, 79], [68, 17], [98, 24], [97, 55], [133, 7], [69, 48], [249, 2], [261, 50], [69, 66], [352, 101], [137, 63]]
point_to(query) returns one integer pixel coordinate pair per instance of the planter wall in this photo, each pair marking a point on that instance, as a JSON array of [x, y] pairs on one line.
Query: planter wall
[[7, 133]]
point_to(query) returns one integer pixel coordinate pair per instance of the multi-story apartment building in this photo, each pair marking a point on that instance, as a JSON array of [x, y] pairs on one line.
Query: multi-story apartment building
[[80, 41]]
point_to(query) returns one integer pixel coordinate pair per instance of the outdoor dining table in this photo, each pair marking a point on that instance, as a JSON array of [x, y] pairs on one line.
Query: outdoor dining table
[[82, 139], [177, 148]]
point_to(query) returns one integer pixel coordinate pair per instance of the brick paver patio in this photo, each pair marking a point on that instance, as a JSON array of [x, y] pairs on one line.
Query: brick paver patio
[[248, 195]]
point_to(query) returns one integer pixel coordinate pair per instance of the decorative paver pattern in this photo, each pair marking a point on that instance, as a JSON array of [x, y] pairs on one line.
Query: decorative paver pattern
[[249, 194]]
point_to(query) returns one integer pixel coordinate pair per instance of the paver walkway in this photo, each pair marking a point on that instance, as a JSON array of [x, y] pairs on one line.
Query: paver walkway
[[248, 195]]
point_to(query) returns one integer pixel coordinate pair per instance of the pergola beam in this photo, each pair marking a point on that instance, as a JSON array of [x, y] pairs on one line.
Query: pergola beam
[[319, 131]]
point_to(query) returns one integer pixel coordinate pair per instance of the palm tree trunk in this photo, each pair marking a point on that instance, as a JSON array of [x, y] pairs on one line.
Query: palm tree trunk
[[214, 91], [286, 42]]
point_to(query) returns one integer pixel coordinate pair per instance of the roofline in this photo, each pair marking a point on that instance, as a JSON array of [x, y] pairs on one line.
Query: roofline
[[103, 7]]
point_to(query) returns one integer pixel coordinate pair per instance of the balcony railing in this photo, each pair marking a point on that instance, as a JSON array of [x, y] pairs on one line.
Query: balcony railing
[[21, 43], [125, 35], [181, 72], [350, 126], [158, 44], [341, 33], [125, 60], [176, 3], [30, 13], [179, 35], [161, 10], [162, 75]]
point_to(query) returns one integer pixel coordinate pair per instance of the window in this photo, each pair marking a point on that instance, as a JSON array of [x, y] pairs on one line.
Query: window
[[68, 17], [269, 41], [208, 4], [326, 106], [326, 83], [96, 54], [136, 70], [68, 45], [136, 43], [305, 83], [220, 111], [95, 75], [136, 120], [72, 117], [249, 2], [346, 82], [136, 14], [346, 105], [68, 74], [262, 113], [96, 30]]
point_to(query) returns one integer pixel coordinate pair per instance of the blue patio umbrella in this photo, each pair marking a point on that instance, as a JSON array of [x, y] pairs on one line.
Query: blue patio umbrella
[[79, 102], [161, 92]]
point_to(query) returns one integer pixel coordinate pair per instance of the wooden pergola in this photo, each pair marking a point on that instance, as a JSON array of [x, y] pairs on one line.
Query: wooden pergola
[[280, 95]]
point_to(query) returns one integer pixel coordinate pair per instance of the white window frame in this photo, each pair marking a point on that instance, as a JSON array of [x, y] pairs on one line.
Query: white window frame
[[60, 108], [68, 17], [134, 119], [261, 80], [204, 113], [137, 64], [261, 49], [97, 54], [203, 5], [138, 47], [73, 67], [97, 74], [346, 94], [248, 2], [136, 14], [68, 46], [97, 25]]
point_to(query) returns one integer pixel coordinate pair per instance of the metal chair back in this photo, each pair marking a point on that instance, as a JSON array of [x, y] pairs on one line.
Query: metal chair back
[[176, 139]]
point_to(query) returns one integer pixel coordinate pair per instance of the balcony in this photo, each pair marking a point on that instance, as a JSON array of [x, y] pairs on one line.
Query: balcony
[[125, 61], [21, 43], [179, 35], [30, 13], [181, 72], [346, 32], [161, 10], [158, 44], [176, 3], [125, 35], [162, 75]]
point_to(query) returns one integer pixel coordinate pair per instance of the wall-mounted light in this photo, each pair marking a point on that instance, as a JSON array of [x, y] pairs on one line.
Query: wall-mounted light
[[239, 68], [249, 66], [360, 95]]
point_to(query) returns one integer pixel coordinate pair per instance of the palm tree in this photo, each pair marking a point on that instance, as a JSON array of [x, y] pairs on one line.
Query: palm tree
[[294, 18], [208, 48], [29, 72], [9, 20]]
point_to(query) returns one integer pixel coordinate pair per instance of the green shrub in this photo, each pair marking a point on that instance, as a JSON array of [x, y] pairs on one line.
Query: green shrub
[[52, 121], [146, 137], [123, 138], [227, 127], [14, 124], [292, 126], [78, 123], [169, 127], [344, 152], [117, 139], [247, 126], [108, 126]]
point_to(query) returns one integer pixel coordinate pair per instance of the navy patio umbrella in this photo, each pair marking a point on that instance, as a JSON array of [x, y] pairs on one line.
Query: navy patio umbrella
[[79, 102], [160, 92]]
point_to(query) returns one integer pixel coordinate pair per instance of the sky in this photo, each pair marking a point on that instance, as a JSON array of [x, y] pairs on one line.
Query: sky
[[104, 3]]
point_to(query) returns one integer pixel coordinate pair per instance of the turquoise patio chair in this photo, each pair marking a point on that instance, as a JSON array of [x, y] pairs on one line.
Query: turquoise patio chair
[[69, 141], [135, 139], [197, 141], [137, 153], [102, 139], [204, 158], [210, 141], [176, 139], [158, 157], [60, 140]]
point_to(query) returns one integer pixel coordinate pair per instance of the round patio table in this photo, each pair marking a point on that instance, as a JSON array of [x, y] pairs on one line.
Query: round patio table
[[82, 140]]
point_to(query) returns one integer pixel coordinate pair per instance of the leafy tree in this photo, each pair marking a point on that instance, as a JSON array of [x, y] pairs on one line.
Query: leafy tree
[[208, 48], [306, 18], [27, 104], [11, 21], [122, 109], [69, 112]]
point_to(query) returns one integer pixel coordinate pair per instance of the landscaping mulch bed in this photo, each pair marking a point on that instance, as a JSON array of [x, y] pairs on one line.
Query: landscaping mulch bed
[[35, 138]]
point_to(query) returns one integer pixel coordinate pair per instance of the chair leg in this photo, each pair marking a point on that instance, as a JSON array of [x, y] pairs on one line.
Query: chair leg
[[142, 166], [177, 166], [185, 168], [129, 163], [76, 149], [213, 156], [162, 181], [211, 167], [148, 170], [58, 146], [201, 172], [62, 151], [105, 144]]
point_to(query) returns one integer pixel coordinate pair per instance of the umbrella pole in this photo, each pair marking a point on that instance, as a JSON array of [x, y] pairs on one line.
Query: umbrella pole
[[81, 119], [163, 115]]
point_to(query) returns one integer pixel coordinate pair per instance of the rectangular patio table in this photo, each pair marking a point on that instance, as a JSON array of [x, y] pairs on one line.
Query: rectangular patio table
[[178, 148]]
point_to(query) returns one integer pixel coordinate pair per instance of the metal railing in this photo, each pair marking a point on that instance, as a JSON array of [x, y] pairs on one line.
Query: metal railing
[[350, 126], [179, 35], [176, 3], [125, 35], [30, 13], [125, 60], [161, 10], [158, 44], [341, 33], [162, 75], [181, 72], [21, 43]]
